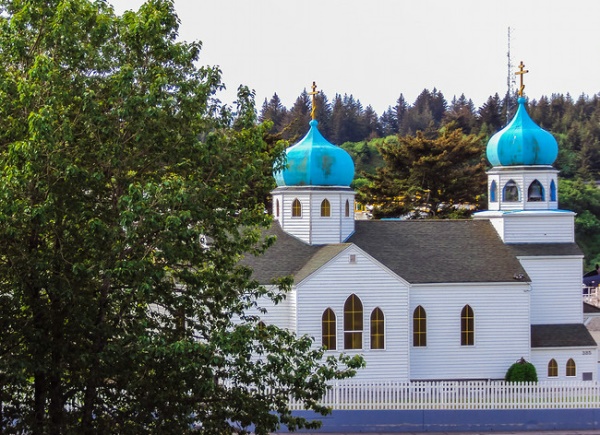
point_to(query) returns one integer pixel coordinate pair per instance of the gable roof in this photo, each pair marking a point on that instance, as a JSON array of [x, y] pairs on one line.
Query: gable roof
[[567, 335], [440, 251], [423, 251], [289, 256]]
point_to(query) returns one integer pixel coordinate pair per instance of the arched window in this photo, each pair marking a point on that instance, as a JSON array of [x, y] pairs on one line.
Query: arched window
[[377, 329], [353, 323], [277, 207], [296, 208], [552, 368], [535, 191], [325, 208], [493, 192], [347, 211], [571, 368], [552, 191], [510, 193], [328, 328], [467, 326], [419, 327]]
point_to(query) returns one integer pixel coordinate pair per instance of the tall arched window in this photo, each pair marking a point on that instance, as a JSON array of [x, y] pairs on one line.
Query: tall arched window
[[510, 193], [535, 191], [347, 210], [277, 207], [419, 327], [493, 191], [325, 208], [328, 329], [552, 191], [552, 368], [353, 323], [467, 326], [571, 368], [296, 208], [377, 329]]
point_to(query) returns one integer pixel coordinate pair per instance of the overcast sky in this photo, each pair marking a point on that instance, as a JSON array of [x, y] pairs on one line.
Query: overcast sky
[[378, 49]]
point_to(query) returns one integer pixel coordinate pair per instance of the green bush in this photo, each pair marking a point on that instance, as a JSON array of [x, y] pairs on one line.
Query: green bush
[[521, 371]]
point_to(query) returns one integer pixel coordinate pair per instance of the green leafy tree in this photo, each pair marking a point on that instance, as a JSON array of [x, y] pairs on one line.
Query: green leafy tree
[[584, 199], [116, 162], [438, 177]]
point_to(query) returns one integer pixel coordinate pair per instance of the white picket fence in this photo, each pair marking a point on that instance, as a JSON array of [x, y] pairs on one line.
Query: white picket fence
[[474, 395]]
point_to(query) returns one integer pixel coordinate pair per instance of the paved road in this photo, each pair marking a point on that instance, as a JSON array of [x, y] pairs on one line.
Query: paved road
[[547, 432]]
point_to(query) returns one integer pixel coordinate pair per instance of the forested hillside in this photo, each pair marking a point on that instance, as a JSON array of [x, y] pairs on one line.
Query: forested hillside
[[574, 122], [368, 136]]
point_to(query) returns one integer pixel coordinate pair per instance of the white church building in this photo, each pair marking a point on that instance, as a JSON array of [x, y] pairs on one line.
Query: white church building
[[433, 299]]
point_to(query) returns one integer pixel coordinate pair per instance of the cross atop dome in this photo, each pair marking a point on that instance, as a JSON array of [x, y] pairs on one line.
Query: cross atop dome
[[314, 93], [522, 71]]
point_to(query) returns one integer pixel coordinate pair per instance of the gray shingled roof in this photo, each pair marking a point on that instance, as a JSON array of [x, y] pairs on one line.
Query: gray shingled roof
[[289, 256], [438, 251], [423, 251], [567, 335], [539, 249]]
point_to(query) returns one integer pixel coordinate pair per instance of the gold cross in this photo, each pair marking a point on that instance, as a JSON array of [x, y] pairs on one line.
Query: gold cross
[[314, 100], [521, 72]]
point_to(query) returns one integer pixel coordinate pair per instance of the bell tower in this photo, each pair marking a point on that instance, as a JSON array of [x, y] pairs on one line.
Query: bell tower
[[313, 200], [523, 184]]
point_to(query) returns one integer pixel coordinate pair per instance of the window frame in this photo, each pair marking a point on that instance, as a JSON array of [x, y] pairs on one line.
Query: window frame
[[571, 368], [296, 208], [353, 323], [325, 208], [419, 327], [536, 182], [467, 326], [552, 368], [329, 329], [511, 184], [377, 323]]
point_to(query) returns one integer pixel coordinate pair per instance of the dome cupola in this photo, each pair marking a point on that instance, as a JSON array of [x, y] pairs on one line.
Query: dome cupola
[[315, 162], [522, 142]]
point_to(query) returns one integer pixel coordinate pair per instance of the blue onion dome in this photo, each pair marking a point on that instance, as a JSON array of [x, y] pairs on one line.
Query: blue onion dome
[[522, 142], [315, 162]]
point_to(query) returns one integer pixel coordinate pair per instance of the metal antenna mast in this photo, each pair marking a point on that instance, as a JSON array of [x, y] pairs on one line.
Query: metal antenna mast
[[509, 75]]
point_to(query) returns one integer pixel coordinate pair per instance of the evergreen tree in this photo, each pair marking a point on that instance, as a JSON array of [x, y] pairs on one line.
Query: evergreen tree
[[388, 122], [490, 114], [275, 112], [297, 119], [424, 177]]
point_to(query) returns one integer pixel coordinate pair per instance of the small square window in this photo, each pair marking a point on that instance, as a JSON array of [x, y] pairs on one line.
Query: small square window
[[352, 258]]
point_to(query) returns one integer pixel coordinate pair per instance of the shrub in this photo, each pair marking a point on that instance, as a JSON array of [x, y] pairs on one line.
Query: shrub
[[521, 371]]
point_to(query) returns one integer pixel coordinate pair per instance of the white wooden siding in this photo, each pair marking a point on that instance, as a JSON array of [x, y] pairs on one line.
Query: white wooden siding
[[555, 289], [585, 362], [311, 227], [376, 287], [558, 227], [282, 314], [502, 330]]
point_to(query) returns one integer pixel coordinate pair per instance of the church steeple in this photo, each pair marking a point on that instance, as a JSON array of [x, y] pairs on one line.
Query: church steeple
[[522, 154], [523, 184], [313, 200]]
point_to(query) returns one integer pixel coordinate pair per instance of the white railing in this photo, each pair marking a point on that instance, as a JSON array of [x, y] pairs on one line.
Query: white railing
[[350, 395]]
